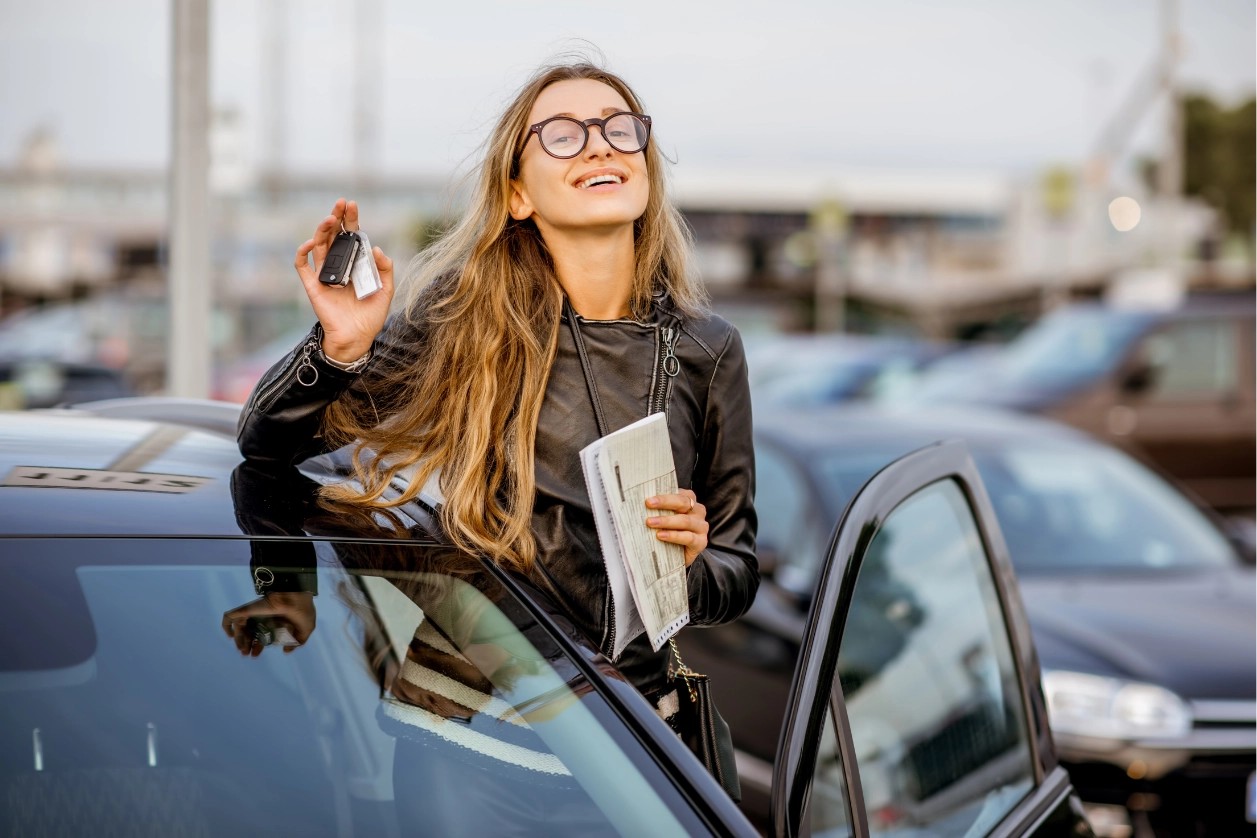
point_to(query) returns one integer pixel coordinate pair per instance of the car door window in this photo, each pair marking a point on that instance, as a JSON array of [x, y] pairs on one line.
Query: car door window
[[928, 676], [785, 527], [828, 811], [1193, 358]]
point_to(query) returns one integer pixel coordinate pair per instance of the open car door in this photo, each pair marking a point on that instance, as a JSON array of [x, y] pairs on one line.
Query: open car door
[[915, 707]]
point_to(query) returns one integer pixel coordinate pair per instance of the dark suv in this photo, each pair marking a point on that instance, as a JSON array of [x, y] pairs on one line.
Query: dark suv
[[1174, 387]]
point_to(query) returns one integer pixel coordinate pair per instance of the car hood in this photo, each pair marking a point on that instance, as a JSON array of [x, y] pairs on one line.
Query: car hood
[[1189, 631]]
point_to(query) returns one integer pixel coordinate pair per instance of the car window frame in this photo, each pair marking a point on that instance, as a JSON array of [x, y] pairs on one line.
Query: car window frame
[[859, 524], [1139, 353]]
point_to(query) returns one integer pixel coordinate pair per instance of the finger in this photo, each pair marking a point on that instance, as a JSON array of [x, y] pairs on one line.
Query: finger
[[682, 501], [693, 523], [301, 261], [384, 265], [257, 608], [351, 215], [324, 235], [685, 538]]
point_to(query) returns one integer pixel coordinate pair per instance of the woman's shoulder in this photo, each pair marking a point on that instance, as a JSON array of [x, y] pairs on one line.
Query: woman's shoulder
[[713, 333]]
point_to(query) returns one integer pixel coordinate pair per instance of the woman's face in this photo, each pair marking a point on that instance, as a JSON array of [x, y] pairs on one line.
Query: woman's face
[[554, 193]]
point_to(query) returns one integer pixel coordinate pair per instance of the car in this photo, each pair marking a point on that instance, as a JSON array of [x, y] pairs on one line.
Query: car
[[196, 644], [825, 369], [235, 380], [1140, 606], [1173, 386], [41, 382], [115, 344]]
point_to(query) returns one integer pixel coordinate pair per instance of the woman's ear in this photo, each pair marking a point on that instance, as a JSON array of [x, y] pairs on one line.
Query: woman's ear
[[521, 207]]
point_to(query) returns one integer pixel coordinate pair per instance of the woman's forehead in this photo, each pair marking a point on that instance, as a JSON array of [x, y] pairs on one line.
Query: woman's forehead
[[579, 98]]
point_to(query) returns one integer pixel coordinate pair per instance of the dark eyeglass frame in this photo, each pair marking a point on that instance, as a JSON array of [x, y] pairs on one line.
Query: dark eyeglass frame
[[584, 125]]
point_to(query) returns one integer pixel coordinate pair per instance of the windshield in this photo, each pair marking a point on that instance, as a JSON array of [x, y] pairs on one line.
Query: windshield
[[151, 676], [1071, 508], [1071, 346]]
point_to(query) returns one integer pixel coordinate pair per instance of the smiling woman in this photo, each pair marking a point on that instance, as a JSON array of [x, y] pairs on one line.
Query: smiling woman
[[559, 309]]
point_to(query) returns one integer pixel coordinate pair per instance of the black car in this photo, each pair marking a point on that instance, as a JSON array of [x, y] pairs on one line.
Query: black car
[[196, 646], [809, 370], [1141, 609]]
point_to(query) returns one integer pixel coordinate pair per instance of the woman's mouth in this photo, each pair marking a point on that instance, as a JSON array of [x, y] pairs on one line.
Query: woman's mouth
[[599, 179]]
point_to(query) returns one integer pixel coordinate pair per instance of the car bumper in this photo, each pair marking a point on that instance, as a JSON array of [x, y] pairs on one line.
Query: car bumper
[[1152, 759], [1185, 785]]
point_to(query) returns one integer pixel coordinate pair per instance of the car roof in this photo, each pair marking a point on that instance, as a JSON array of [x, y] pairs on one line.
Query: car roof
[[809, 431], [70, 473]]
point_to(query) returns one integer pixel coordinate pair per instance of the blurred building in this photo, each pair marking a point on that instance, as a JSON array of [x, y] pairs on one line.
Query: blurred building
[[937, 253]]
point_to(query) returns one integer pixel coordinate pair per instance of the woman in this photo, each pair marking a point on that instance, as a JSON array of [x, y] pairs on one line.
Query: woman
[[565, 284]]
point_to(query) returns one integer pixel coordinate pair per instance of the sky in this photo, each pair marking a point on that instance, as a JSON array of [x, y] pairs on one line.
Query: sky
[[966, 84]]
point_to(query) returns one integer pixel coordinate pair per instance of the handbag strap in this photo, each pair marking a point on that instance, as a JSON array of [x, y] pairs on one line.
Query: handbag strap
[[590, 384]]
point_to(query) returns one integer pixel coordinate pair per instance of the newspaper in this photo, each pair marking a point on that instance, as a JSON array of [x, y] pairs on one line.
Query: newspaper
[[647, 575]]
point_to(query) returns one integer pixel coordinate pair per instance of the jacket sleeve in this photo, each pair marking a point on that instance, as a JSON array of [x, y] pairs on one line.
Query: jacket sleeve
[[724, 578], [281, 421]]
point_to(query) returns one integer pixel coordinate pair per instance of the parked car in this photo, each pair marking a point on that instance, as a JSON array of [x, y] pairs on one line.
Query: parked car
[[149, 581], [1142, 611], [825, 369], [235, 380], [1172, 386], [118, 340], [39, 382]]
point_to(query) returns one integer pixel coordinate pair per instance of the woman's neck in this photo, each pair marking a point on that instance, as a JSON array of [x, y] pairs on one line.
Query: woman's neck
[[596, 270]]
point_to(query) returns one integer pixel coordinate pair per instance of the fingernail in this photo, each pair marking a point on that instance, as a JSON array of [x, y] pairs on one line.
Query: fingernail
[[652, 501], [650, 522]]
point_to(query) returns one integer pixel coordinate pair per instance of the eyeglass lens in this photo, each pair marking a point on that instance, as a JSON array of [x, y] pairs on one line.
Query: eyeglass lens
[[565, 137]]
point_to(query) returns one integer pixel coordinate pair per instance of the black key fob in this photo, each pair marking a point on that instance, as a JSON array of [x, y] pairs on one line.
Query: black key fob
[[340, 259]]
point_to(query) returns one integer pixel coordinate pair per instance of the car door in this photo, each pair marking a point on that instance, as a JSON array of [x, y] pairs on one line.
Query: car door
[[1195, 417], [915, 707]]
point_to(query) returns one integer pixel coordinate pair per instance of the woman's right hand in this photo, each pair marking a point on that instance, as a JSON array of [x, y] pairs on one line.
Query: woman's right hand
[[349, 324]]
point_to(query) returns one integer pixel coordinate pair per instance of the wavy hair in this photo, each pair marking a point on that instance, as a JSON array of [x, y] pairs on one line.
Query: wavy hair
[[486, 301]]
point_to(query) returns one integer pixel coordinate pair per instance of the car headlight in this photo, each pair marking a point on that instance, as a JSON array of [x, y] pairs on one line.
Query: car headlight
[[1110, 708]]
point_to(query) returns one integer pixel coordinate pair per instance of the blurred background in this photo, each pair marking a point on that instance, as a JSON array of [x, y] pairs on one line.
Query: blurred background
[[1037, 208]]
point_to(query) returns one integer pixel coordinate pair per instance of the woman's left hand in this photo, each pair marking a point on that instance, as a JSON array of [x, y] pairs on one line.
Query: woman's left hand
[[686, 526]]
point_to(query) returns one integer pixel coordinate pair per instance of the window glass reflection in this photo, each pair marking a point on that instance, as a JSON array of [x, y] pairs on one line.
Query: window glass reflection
[[282, 688], [827, 811], [928, 676]]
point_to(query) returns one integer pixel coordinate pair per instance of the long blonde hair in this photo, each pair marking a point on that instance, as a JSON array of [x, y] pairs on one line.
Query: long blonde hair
[[486, 302]]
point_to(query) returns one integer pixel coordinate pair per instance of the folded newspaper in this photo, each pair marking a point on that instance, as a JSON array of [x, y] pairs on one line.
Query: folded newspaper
[[647, 575]]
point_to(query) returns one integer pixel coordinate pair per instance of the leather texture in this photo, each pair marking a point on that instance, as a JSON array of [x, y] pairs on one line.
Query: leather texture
[[709, 419]]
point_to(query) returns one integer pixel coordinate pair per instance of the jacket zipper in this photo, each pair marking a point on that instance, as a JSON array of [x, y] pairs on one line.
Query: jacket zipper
[[266, 399], [667, 365]]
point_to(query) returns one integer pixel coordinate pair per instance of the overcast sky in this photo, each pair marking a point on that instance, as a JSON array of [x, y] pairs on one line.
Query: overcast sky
[[975, 84]]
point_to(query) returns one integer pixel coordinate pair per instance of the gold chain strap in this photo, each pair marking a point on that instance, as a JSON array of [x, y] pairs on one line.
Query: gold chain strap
[[682, 670]]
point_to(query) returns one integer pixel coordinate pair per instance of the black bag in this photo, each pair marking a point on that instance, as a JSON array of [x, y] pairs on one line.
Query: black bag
[[686, 705]]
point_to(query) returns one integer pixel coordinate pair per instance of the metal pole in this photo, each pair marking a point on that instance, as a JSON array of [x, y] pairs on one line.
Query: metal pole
[[188, 279], [1170, 172]]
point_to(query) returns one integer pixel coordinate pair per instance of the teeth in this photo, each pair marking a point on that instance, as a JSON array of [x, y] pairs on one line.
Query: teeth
[[597, 179]]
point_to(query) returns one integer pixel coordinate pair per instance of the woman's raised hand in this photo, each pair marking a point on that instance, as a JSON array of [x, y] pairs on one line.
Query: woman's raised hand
[[349, 324]]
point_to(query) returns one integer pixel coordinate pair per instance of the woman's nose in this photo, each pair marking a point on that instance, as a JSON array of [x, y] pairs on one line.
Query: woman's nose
[[597, 144]]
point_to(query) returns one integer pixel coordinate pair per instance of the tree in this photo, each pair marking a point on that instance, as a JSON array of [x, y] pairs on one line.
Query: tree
[[1220, 150]]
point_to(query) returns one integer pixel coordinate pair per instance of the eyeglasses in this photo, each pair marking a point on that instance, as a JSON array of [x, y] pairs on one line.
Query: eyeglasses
[[564, 137]]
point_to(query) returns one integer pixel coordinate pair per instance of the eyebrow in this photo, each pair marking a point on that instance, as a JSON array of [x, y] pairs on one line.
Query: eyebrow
[[605, 112]]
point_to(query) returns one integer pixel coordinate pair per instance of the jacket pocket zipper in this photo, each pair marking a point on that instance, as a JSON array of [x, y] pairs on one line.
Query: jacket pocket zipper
[[267, 399]]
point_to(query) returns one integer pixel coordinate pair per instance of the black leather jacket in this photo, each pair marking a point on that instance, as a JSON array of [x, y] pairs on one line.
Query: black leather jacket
[[707, 403]]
